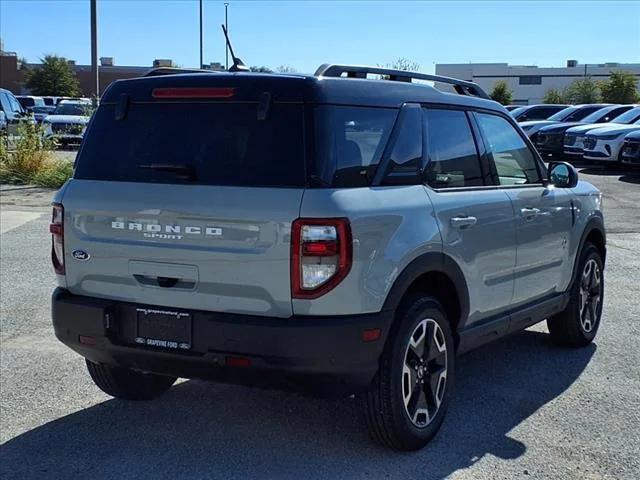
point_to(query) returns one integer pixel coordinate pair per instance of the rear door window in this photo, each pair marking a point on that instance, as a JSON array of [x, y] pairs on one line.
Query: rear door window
[[453, 158], [198, 143], [515, 163]]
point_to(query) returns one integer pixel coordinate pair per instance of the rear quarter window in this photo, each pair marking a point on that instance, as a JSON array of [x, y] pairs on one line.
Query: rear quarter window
[[349, 143]]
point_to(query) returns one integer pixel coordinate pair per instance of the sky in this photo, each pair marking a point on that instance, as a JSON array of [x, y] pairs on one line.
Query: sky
[[307, 34]]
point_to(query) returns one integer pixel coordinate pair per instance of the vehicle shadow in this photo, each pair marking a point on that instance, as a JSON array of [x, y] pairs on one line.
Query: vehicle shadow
[[200, 430], [599, 171], [631, 178]]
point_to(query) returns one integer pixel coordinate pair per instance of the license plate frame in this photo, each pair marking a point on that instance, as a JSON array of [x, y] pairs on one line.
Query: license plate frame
[[164, 328]]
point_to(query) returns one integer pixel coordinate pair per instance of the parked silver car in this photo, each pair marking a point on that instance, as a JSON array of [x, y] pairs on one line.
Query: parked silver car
[[67, 123]]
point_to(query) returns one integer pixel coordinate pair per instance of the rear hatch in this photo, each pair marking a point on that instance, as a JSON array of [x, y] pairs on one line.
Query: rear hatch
[[184, 193]]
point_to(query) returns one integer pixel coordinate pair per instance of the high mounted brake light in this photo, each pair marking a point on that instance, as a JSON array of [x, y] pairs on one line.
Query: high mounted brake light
[[321, 255], [56, 228], [163, 93]]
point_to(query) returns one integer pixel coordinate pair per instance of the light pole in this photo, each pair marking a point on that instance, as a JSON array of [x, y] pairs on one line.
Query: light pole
[[226, 26], [200, 66], [94, 51]]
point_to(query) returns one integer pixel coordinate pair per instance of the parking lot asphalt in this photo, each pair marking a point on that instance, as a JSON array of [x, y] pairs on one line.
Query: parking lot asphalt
[[522, 408]]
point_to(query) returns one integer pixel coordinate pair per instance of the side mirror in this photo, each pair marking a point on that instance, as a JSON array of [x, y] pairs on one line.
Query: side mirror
[[562, 175]]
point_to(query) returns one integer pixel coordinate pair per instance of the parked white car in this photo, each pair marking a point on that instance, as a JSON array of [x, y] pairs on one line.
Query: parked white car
[[67, 123], [604, 144], [631, 149], [574, 113], [575, 136]]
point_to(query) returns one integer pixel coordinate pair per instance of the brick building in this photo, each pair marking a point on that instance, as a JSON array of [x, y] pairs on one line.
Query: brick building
[[12, 72]]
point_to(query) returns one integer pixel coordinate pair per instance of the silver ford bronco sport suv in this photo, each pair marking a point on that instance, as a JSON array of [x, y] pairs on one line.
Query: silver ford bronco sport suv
[[335, 233]]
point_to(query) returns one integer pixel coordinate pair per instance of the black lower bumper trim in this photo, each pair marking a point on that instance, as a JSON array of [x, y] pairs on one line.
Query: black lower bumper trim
[[319, 354]]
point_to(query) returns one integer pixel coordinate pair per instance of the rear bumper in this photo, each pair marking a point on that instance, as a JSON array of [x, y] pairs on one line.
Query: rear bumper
[[324, 355]]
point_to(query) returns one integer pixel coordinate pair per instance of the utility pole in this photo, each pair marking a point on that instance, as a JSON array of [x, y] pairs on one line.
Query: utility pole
[[200, 66], [94, 52], [226, 26]]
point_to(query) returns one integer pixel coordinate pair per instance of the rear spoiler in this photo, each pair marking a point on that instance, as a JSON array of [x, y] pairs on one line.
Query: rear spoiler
[[155, 72]]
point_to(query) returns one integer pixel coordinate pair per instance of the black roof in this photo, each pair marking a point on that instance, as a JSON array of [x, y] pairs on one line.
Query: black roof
[[298, 88]]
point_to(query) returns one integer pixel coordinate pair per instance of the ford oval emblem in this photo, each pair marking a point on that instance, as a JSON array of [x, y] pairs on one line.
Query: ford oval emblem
[[80, 255]]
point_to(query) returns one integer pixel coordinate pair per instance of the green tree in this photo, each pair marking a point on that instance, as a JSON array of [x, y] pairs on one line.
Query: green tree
[[501, 93], [54, 77], [286, 69], [583, 91], [554, 95], [621, 87], [260, 69], [404, 64]]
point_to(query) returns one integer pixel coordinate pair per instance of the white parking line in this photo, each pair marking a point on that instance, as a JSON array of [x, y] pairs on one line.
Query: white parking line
[[10, 219]]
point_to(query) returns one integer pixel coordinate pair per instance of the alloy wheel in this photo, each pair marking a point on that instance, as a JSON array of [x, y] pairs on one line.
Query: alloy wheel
[[424, 372], [590, 295]]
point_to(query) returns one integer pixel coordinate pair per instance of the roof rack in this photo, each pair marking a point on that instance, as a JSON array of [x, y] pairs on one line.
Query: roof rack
[[154, 72], [462, 87]]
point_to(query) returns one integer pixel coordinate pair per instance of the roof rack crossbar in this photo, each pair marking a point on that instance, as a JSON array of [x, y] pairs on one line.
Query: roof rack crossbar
[[462, 87]]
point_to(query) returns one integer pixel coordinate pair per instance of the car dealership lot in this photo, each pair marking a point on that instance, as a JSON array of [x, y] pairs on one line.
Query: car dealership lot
[[523, 408]]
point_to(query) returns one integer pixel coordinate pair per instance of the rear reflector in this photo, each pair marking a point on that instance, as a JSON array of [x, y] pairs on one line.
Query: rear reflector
[[371, 335], [87, 340], [192, 93], [237, 362]]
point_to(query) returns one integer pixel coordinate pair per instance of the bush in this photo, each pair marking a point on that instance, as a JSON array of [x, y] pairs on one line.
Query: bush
[[583, 91], [53, 174], [501, 93], [621, 87], [554, 96], [29, 160]]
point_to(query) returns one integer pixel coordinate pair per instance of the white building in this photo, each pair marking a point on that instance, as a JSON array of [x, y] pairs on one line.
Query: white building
[[529, 83]]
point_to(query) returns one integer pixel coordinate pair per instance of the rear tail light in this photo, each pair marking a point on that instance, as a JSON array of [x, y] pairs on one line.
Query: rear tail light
[[57, 238], [321, 252]]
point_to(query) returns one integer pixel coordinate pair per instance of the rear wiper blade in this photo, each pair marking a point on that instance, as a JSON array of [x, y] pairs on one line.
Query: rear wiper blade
[[181, 170]]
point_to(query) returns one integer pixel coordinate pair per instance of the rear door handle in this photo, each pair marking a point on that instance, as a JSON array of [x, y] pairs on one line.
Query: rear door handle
[[530, 213], [463, 222]]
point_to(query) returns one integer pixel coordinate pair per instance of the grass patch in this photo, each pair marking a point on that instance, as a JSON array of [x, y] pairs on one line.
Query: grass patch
[[31, 161]]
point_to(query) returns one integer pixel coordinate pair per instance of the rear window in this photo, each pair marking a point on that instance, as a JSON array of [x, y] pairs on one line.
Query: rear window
[[196, 143]]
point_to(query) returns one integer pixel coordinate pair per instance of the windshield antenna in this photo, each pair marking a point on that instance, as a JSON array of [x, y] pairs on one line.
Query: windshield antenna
[[237, 66]]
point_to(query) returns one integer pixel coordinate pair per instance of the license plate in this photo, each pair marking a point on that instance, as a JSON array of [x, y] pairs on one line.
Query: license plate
[[163, 328]]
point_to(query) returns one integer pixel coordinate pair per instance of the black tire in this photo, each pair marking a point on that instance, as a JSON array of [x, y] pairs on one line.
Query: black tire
[[577, 324], [388, 419], [127, 384]]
